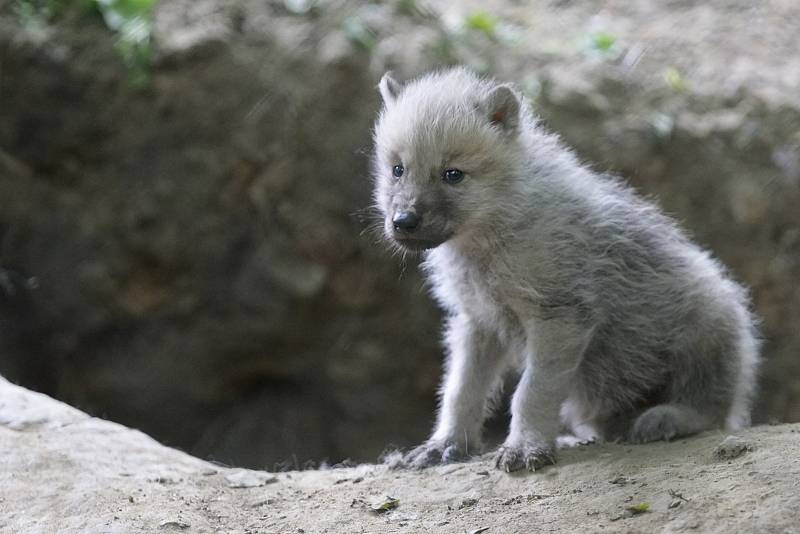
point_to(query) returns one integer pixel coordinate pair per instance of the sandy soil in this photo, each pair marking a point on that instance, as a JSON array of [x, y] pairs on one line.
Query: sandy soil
[[63, 471]]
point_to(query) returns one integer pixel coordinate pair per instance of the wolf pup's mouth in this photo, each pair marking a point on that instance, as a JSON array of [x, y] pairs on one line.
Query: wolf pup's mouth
[[417, 244]]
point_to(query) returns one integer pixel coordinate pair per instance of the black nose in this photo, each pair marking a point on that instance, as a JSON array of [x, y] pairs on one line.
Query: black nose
[[406, 221]]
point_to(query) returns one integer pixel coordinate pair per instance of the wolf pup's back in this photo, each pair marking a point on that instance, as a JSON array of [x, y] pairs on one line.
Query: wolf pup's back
[[620, 325]]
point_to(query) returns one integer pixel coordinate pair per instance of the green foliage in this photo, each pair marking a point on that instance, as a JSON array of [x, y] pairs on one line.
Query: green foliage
[[602, 44], [603, 41], [637, 509], [417, 9], [675, 81], [662, 125], [35, 12], [384, 504], [299, 7], [29, 11], [467, 42], [131, 20], [483, 22], [357, 32], [407, 7]]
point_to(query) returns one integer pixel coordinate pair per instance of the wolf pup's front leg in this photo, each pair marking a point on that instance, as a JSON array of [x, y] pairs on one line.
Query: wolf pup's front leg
[[475, 360], [554, 351]]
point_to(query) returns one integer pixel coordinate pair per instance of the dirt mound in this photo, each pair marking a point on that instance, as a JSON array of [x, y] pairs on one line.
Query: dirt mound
[[65, 471]]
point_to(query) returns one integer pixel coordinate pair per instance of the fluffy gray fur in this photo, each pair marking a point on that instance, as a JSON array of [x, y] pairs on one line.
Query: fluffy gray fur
[[621, 327]]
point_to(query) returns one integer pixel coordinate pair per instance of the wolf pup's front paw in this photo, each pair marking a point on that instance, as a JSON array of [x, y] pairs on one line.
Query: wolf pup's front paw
[[524, 456], [434, 452]]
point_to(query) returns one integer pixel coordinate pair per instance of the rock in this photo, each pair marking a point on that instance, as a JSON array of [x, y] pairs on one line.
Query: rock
[[732, 447], [173, 524], [78, 474], [468, 503], [246, 478]]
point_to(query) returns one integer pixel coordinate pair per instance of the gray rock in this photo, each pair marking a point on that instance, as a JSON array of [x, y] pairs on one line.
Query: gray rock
[[732, 447]]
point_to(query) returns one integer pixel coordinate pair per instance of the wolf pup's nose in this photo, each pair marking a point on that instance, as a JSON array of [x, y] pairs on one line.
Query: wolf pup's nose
[[406, 221]]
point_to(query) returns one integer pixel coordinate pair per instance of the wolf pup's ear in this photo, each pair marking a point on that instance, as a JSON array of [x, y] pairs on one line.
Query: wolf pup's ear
[[389, 88], [502, 107]]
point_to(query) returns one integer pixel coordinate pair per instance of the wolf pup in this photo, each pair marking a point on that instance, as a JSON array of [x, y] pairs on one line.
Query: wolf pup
[[621, 327]]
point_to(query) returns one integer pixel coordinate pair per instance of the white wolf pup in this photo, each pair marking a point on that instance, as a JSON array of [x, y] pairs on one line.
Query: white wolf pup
[[622, 327]]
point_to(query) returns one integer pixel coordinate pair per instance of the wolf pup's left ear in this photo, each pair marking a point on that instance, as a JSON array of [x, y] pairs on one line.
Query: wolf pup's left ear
[[502, 107], [389, 88]]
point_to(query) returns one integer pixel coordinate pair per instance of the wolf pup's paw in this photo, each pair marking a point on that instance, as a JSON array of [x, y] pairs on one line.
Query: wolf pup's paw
[[666, 422], [434, 452], [524, 456]]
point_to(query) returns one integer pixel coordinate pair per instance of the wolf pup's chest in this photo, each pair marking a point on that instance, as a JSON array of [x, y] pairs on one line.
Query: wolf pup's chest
[[471, 287]]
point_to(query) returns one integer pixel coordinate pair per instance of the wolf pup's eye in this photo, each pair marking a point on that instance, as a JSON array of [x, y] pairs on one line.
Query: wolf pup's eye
[[397, 171], [452, 176]]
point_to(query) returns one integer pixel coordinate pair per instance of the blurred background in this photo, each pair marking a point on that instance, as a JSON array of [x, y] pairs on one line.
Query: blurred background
[[184, 193]]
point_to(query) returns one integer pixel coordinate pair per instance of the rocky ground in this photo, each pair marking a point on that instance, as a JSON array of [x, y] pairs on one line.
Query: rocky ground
[[63, 471], [193, 257]]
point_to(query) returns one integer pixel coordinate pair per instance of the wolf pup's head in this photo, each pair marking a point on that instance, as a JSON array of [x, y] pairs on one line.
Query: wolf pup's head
[[446, 149]]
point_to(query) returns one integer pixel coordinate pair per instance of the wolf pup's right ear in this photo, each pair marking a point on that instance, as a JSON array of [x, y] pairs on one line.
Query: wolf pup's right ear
[[389, 88], [503, 108]]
